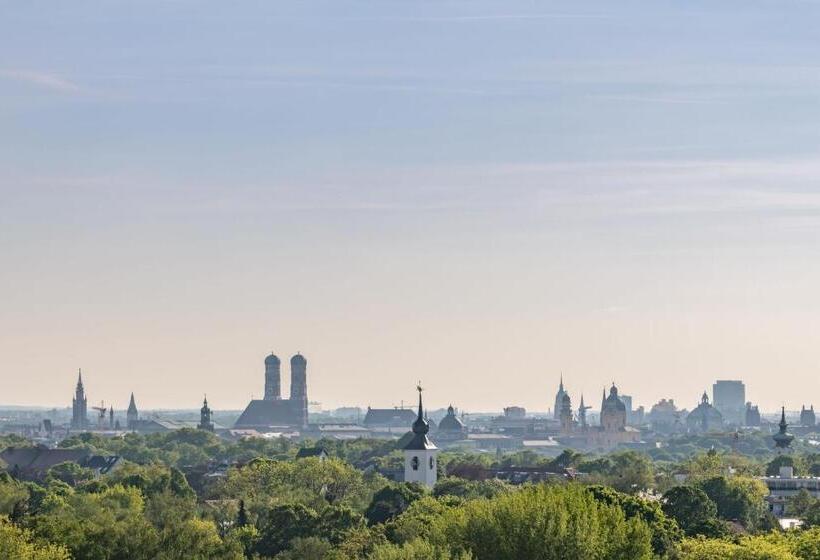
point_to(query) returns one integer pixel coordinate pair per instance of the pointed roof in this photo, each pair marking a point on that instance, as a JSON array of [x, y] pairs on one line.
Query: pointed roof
[[420, 440], [79, 378], [132, 405], [783, 439]]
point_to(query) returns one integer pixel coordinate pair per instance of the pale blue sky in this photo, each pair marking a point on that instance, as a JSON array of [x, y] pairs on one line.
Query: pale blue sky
[[478, 194]]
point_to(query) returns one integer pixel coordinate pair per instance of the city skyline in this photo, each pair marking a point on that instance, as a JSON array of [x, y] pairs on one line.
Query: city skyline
[[482, 194], [274, 390]]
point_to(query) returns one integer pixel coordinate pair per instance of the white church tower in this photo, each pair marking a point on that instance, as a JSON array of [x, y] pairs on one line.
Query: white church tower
[[420, 461]]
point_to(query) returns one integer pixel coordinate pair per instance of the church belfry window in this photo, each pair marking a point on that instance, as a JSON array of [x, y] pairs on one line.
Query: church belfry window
[[414, 463]]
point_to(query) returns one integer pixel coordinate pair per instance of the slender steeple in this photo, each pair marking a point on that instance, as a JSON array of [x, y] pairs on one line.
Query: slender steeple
[[420, 464], [79, 405], [559, 398], [782, 439]]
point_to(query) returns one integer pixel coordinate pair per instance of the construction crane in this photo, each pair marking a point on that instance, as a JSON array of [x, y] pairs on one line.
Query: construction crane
[[101, 410]]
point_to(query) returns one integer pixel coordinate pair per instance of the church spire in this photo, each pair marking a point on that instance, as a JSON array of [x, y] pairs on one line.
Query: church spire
[[782, 439], [420, 426]]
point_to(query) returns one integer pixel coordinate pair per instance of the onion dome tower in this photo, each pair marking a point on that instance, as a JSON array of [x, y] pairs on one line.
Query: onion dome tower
[[420, 464], [782, 439], [298, 388], [205, 422], [273, 378]]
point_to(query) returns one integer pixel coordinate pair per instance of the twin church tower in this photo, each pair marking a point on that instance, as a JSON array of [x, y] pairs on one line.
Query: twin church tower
[[298, 378], [272, 411]]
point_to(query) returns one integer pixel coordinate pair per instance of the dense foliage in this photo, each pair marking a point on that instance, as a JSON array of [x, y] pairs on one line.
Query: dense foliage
[[189, 495]]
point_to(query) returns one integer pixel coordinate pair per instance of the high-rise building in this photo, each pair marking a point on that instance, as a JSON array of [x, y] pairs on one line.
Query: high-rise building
[[729, 398], [79, 406], [273, 378], [807, 417]]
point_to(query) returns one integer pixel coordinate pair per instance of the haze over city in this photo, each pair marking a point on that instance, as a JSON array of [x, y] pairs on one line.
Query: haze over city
[[480, 195]]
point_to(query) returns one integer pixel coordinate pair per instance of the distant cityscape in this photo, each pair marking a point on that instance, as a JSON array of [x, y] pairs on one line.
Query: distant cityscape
[[615, 423]]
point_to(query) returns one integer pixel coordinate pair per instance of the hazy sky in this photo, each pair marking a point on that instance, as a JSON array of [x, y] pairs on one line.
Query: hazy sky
[[475, 194]]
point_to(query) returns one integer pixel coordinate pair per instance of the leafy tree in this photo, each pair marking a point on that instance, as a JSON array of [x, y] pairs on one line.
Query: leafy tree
[[627, 471], [283, 524], [737, 498], [773, 468], [98, 526], [242, 515], [416, 550], [19, 544], [417, 521], [665, 532], [69, 472], [470, 489], [195, 539], [12, 493], [695, 513], [568, 458], [152, 479], [548, 522], [391, 501], [335, 522], [811, 515], [307, 548], [748, 548], [800, 503], [804, 544], [264, 483]]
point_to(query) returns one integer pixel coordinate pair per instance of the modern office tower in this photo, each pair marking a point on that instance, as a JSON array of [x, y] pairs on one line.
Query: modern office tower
[[729, 397]]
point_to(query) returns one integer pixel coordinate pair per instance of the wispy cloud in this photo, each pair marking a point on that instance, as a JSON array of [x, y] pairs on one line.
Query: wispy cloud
[[46, 80]]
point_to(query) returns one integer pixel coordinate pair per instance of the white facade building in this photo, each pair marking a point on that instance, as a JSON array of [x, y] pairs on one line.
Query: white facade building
[[420, 454], [785, 486]]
